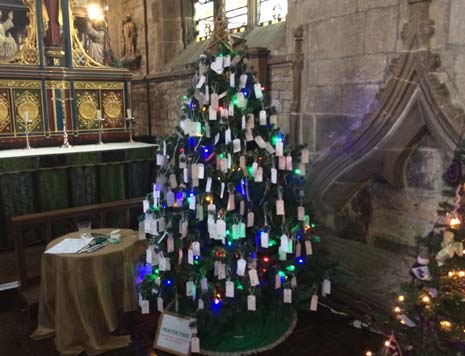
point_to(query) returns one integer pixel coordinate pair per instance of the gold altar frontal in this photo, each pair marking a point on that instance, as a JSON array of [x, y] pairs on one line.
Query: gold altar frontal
[[50, 81]]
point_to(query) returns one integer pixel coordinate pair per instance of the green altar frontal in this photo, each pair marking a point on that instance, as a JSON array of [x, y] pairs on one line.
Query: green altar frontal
[[46, 182]]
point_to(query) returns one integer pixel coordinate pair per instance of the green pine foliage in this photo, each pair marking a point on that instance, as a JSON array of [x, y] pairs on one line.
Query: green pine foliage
[[436, 306]]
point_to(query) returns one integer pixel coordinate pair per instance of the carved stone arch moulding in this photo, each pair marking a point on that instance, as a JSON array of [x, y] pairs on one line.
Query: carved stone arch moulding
[[412, 103]]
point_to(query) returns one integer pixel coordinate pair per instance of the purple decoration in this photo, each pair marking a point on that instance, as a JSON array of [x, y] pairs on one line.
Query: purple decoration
[[454, 173]]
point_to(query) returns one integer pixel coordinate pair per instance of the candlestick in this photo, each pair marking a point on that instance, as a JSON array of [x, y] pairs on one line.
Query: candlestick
[[66, 143], [100, 126], [130, 121], [26, 129]]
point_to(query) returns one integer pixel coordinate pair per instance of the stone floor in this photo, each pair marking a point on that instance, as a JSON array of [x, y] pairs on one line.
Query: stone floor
[[317, 334]]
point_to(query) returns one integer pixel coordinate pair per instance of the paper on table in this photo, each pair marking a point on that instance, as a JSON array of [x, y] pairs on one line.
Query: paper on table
[[70, 245]]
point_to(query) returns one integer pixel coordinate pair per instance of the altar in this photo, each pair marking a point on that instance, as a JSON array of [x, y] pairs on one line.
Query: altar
[[61, 84]]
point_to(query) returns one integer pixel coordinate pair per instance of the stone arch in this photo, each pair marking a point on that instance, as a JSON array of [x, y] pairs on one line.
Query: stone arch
[[413, 102]]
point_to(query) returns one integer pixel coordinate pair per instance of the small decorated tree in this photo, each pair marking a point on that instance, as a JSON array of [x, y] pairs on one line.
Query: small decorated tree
[[227, 221], [429, 314]]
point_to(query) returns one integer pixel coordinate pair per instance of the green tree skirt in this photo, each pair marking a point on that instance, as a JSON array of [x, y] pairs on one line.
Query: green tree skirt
[[245, 332]]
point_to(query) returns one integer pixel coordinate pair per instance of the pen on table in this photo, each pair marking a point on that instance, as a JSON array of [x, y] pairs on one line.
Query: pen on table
[[94, 248]]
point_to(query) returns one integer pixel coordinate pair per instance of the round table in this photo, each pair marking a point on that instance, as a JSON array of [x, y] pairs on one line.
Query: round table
[[81, 294]]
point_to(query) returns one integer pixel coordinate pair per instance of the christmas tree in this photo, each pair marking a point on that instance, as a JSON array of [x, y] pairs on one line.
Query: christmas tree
[[429, 314], [228, 228]]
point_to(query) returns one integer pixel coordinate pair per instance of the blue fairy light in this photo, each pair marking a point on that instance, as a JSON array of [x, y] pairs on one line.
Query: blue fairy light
[[300, 261], [168, 282]]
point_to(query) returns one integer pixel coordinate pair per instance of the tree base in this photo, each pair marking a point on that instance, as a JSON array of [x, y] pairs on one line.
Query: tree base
[[248, 333]]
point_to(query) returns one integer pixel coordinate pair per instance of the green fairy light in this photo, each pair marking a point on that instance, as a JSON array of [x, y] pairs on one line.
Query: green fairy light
[[297, 171], [271, 243], [221, 156], [291, 268], [282, 274], [240, 286], [250, 169]]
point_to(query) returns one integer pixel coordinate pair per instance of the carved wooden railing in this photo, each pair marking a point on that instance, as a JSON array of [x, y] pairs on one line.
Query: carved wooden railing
[[47, 219]]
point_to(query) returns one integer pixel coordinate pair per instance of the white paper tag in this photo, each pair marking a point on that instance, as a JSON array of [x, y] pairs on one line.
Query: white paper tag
[[212, 113], [251, 303], [288, 296], [241, 264], [230, 289], [308, 248], [259, 175], [314, 303], [293, 282], [196, 248], [232, 80], [204, 284], [243, 81], [201, 171], [264, 238], [326, 288], [260, 142], [282, 163], [258, 91], [280, 207], [221, 271], [145, 205], [274, 175], [220, 229], [190, 256], [274, 120], [236, 145], [160, 304], [277, 281], [145, 307], [298, 249], [189, 288], [250, 121], [227, 137], [289, 163], [300, 213], [305, 159], [149, 255], [201, 81], [250, 219], [279, 149], [162, 264], [226, 61], [253, 276], [201, 305], [192, 203], [195, 344], [284, 243], [262, 117], [208, 186]]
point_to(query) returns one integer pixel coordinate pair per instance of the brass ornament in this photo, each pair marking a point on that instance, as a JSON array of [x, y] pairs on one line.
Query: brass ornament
[[113, 108], [21, 84], [4, 112], [87, 110], [28, 102], [99, 85]]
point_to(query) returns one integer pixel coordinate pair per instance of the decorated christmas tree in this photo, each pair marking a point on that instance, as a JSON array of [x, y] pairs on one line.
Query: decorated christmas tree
[[429, 314], [229, 233]]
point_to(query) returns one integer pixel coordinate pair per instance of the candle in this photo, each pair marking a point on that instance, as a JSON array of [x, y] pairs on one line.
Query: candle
[[26, 116], [99, 114], [129, 113]]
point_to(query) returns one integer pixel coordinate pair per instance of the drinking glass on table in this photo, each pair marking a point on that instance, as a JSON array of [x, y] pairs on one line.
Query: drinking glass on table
[[84, 228]]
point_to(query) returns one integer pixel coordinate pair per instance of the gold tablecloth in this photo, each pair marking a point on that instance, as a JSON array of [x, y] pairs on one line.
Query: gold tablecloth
[[80, 295]]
